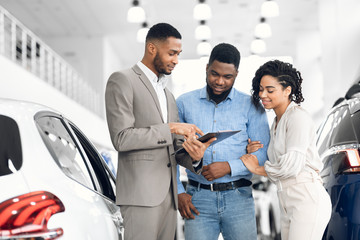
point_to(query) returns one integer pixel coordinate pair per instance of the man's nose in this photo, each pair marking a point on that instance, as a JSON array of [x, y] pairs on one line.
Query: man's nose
[[175, 59], [220, 81]]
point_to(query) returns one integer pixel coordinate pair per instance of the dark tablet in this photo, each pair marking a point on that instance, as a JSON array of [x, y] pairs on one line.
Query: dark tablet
[[220, 135]]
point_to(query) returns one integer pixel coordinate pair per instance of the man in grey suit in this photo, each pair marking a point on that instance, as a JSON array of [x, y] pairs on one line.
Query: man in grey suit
[[143, 122]]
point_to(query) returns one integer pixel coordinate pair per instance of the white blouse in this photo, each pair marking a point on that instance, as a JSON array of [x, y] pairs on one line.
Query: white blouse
[[292, 145]]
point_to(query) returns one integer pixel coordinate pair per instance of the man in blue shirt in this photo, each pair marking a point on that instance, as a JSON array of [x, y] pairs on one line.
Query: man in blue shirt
[[221, 197]]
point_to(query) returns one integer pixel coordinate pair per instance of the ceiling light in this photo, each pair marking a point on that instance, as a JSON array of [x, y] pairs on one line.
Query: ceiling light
[[202, 32], [142, 32], [202, 11], [136, 14], [263, 29], [203, 48], [258, 46], [269, 9]]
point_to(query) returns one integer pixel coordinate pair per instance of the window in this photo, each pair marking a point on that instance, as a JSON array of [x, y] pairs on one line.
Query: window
[[324, 134], [343, 132], [103, 175], [356, 123], [63, 149], [10, 146]]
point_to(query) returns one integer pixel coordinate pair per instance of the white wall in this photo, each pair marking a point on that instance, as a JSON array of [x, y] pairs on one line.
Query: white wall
[[86, 56], [18, 83], [111, 61], [308, 62], [340, 39], [94, 58]]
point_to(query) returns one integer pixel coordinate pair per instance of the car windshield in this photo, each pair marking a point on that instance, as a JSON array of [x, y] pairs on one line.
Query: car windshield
[[10, 146]]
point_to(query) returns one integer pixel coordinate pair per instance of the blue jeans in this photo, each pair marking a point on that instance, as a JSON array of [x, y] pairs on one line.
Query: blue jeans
[[230, 212]]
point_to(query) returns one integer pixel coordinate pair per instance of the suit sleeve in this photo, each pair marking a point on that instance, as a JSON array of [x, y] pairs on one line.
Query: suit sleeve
[[184, 159], [119, 100]]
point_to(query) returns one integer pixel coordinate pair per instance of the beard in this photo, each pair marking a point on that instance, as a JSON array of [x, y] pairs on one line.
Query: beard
[[159, 65], [216, 97]]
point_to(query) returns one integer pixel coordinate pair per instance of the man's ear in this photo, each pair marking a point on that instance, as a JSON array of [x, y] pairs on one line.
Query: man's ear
[[151, 48]]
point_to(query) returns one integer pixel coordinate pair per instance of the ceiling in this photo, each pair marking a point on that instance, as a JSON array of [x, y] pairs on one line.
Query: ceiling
[[233, 21]]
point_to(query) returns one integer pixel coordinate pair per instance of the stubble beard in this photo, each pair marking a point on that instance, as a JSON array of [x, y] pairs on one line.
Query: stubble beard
[[159, 65]]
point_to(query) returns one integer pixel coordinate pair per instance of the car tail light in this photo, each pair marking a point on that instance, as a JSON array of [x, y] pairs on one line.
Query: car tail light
[[353, 158], [26, 216]]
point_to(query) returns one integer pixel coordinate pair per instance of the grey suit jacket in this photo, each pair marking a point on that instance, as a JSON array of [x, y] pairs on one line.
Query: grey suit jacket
[[144, 143]]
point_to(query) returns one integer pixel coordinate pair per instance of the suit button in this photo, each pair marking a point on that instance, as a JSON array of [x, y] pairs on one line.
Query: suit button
[[169, 164]]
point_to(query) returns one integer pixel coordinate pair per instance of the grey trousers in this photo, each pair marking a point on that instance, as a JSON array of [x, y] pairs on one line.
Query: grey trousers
[[150, 223]]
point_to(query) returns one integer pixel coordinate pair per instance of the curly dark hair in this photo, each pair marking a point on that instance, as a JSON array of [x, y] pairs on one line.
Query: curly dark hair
[[286, 75]]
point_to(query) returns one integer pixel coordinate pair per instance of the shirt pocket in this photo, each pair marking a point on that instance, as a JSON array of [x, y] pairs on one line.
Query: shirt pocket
[[239, 123]]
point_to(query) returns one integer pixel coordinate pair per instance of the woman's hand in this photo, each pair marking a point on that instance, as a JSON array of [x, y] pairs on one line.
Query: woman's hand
[[253, 146], [252, 164], [250, 161]]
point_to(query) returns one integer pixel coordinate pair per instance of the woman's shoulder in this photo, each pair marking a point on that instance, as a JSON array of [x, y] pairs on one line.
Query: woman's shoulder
[[298, 114]]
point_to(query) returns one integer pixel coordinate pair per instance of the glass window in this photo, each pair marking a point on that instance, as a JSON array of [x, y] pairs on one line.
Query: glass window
[[63, 149], [356, 123], [98, 164], [343, 132], [10, 146], [324, 134]]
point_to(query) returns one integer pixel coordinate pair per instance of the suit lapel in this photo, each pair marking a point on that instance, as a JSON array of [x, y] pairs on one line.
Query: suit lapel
[[149, 86], [169, 106]]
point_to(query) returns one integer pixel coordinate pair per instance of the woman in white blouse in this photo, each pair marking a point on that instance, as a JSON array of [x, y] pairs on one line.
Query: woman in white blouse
[[294, 163]]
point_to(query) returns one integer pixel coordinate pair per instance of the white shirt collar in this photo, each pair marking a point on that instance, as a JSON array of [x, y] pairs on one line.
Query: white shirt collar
[[163, 79]]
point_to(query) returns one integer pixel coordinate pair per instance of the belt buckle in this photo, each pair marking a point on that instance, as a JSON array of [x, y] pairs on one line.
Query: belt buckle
[[211, 187]]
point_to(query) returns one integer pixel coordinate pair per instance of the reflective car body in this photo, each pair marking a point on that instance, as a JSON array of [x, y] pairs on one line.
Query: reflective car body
[[266, 208], [338, 146], [54, 183]]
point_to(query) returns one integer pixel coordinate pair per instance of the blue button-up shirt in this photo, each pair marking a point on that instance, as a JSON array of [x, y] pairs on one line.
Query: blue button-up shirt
[[236, 112]]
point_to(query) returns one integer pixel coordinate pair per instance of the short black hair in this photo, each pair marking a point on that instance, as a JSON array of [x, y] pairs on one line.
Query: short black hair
[[162, 31], [225, 53], [285, 74]]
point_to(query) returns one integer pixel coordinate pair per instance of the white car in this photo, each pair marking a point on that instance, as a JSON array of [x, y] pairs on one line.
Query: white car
[[54, 183], [267, 208]]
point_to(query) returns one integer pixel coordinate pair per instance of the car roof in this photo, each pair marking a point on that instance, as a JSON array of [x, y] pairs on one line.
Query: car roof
[[15, 108]]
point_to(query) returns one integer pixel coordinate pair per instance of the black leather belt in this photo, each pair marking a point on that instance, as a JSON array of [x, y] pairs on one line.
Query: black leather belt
[[222, 186]]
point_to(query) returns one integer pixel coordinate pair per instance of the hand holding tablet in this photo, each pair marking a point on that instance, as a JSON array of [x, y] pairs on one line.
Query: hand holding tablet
[[219, 135]]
